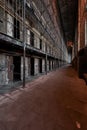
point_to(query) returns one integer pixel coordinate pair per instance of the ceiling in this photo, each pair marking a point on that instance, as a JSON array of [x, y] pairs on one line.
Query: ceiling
[[68, 14]]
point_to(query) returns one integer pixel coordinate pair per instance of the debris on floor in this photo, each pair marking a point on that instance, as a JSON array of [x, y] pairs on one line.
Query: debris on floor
[[78, 125]]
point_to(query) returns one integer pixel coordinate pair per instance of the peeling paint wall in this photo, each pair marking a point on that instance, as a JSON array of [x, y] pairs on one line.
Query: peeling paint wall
[[3, 70], [36, 66], [2, 22], [43, 65], [37, 42], [47, 65], [10, 28], [9, 22], [21, 32], [81, 23], [27, 67], [43, 46], [10, 68], [48, 48], [28, 36], [21, 68], [51, 65]]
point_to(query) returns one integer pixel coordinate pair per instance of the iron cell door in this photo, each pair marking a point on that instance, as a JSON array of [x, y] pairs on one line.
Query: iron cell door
[[49, 65], [31, 38], [16, 29], [17, 68], [40, 65], [32, 65]]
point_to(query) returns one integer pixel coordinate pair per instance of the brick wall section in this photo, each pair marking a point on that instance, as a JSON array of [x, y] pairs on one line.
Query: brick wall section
[[81, 23]]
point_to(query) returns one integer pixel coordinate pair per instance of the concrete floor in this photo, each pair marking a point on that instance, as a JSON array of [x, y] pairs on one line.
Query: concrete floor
[[56, 101]]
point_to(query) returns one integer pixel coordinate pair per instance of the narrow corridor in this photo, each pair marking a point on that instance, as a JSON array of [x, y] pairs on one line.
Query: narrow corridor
[[56, 101]]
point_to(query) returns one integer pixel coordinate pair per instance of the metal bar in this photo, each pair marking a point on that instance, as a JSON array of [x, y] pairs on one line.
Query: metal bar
[[46, 59], [46, 63], [24, 48], [5, 30]]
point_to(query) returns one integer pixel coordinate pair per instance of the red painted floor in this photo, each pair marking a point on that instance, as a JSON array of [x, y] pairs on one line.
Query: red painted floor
[[56, 101]]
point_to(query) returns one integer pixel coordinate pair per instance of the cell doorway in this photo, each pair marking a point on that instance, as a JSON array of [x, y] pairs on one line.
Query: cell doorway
[[40, 65], [17, 68], [32, 66]]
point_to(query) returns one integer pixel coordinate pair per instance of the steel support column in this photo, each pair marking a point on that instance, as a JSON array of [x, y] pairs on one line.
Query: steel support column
[[24, 47]]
